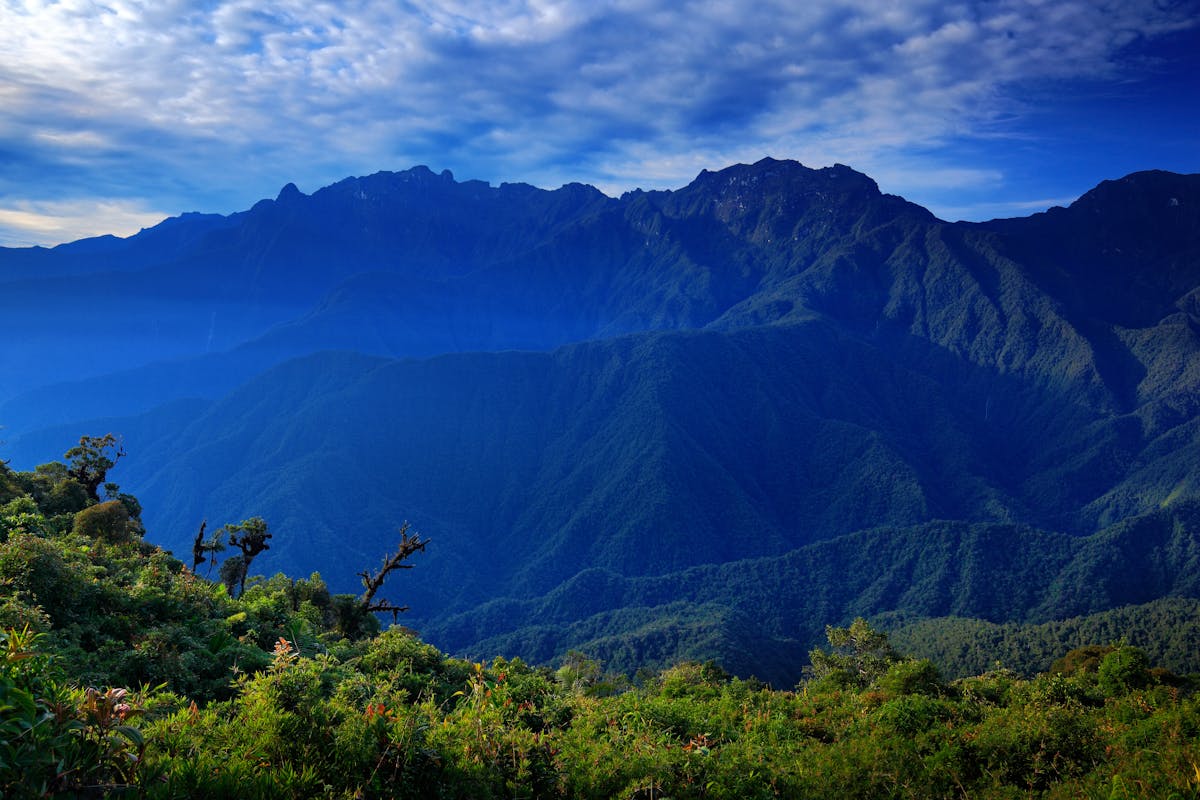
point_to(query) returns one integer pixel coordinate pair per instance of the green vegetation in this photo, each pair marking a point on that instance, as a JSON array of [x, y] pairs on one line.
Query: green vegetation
[[1168, 630], [124, 673], [686, 424], [964, 594], [709, 467]]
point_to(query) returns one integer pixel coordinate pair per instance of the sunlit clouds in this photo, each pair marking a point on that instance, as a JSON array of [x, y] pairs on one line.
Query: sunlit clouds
[[47, 222]]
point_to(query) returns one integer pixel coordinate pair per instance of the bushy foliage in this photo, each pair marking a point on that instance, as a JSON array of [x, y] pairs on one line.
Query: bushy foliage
[[1122, 670], [109, 522], [57, 739], [130, 675], [391, 717], [858, 655]]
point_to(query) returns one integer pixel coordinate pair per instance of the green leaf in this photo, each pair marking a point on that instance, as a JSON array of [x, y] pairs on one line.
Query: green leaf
[[132, 734]]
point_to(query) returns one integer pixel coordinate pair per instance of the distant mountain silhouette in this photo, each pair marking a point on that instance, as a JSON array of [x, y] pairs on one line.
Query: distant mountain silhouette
[[572, 394]]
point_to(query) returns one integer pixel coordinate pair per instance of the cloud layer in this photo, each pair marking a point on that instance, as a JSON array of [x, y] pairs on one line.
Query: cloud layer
[[173, 105]]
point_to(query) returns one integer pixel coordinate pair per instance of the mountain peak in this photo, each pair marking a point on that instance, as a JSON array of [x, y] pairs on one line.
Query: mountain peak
[[289, 193], [423, 175], [771, 176], [771, 196], [1156, 189]]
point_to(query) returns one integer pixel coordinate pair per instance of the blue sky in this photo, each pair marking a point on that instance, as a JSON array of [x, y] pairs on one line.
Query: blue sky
[[116, 114]]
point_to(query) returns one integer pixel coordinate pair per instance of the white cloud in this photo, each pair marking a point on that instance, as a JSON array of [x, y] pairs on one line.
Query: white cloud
[[51, 222], [73, 140]]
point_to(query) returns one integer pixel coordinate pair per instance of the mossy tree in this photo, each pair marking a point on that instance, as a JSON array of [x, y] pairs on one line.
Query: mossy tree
[[250, 536], [90, 461]]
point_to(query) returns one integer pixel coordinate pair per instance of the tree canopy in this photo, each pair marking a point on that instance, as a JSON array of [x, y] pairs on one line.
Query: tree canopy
[[90, 461]]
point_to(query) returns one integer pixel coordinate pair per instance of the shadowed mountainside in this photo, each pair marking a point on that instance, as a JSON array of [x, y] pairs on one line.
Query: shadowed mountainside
[[574, 394]]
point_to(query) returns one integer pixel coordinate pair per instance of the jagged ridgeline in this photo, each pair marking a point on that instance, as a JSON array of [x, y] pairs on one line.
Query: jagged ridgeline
[[703, 422]]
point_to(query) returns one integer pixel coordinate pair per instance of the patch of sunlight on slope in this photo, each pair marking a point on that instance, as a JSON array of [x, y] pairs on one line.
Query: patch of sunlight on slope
[[1182, 489]]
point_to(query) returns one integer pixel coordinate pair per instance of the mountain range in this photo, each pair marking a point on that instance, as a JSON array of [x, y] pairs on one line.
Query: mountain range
[[703, 422]]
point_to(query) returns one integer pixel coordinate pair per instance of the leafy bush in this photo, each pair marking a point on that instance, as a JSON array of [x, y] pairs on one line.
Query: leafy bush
[[60, 740], [911, 676], [288, 691], [108, 522], [1123, 669]]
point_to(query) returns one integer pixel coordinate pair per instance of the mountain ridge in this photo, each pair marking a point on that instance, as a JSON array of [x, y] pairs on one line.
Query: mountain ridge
[[552, 382]]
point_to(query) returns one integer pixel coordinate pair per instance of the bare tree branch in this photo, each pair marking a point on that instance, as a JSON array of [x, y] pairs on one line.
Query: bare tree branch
[[373, 581]]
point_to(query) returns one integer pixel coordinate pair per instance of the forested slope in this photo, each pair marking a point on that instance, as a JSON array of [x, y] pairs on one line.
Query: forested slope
[[769, 361]]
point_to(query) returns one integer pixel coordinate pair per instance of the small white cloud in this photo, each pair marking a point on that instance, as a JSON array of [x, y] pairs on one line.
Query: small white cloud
[[987, 210], [73, 140], [54, 222], [928, 177]]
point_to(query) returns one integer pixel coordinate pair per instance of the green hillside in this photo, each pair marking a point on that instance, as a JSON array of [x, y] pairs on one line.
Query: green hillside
[[701, 422], [1168, 630], [755, 616], [695, 450]]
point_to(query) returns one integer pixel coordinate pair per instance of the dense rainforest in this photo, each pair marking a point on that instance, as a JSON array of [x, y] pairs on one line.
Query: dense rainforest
[[125, 672]]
